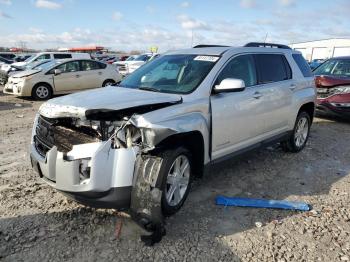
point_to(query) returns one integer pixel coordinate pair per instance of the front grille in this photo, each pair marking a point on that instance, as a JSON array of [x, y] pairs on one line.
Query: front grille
[[49, 133]]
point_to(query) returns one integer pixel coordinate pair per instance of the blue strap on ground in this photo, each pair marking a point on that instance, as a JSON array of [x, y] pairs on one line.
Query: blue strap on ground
[[262, 203]]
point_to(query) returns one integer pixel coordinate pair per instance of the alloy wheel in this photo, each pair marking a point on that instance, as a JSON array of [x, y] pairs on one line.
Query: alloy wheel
[[177, 180]]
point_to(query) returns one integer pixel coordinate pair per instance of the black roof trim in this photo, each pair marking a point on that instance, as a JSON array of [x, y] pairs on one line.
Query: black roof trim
[[271, 45], [204, 46]]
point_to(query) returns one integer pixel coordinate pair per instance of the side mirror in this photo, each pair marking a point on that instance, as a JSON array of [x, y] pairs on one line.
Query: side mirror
[[57, 72], [230, 85]]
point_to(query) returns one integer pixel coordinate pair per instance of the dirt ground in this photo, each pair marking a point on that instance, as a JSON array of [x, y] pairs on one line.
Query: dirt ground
[[39, 224]]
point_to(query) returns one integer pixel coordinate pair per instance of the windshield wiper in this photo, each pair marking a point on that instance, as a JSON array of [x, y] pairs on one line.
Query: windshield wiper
[[147, 88]]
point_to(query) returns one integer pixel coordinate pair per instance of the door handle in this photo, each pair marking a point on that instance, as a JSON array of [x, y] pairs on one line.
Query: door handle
[[77, 76], [292, 87], [257, 95], [100, 73]]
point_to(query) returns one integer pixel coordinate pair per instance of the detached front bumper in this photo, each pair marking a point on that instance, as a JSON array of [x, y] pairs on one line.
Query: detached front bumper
[[93, 174]]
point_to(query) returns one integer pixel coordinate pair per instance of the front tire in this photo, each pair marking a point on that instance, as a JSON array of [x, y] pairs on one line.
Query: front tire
[[300, 134], [42, 92], [176, 172]]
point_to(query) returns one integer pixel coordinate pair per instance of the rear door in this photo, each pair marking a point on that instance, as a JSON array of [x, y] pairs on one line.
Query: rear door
[[92, 74], [236, 116], [276, 90], [70, 78]]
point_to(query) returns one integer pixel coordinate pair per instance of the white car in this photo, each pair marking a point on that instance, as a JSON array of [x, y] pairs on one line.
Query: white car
[[128, 66], [61, 77], [50, 55]]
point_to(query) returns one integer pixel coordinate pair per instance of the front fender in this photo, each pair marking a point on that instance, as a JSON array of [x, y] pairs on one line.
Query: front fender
[[154, 133]]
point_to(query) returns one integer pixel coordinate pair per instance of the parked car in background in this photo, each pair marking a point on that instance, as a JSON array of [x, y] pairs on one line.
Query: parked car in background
[[315, 63], [333, 87], [4, 61], [7, 55], [21, 58], [140, 145], [4, 75], [52, 55], [110, 59], [123, 57], [134, 62], [61, 77]]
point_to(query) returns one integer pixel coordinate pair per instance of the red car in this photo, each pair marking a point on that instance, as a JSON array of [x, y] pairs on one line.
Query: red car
[[333, 87]]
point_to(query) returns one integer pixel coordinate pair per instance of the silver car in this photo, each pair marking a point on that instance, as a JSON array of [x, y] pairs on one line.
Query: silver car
[[138, 146]]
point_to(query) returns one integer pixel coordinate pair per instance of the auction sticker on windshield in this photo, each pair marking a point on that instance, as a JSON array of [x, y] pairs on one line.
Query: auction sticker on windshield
[[206, 58]]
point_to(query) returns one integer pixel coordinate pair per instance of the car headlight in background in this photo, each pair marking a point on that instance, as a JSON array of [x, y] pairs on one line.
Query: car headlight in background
[[341, 90]]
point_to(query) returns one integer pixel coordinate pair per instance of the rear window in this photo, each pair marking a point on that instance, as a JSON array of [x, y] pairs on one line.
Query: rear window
[[303, 66], [62, 56], [272, 68]]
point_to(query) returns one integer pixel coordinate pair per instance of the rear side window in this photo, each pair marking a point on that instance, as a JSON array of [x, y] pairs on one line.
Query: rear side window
[[102, 65], [272, 68], [303, 66], [62, 56], [87, 65]]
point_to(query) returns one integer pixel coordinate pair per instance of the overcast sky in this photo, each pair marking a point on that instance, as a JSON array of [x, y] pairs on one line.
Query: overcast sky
[[129, 25]]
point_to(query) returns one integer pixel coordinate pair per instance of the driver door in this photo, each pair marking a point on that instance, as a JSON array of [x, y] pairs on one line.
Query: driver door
[[236, 116], [70, 77]]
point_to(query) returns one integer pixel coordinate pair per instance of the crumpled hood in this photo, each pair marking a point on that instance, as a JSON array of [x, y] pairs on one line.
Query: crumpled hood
[[26, 73], [104, 99]]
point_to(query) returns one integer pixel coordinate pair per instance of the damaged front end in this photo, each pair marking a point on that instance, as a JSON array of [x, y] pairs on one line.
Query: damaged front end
[[102, 159]]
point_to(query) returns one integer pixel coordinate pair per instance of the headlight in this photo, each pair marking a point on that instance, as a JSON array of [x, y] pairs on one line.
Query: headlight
[[341, 90]]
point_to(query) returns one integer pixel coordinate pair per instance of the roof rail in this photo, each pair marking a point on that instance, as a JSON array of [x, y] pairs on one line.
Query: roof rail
[[271, 45], [203, 46]]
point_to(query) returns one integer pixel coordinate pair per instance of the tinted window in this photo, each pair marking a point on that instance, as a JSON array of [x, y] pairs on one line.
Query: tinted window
[[303, 66], [62, 56], [338, 67], [241, 67], [102, 65], [69, 67], [89, 65], [43, 57], [272, 68]]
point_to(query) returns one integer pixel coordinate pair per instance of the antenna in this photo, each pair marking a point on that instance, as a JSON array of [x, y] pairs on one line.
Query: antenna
[[266, 37]]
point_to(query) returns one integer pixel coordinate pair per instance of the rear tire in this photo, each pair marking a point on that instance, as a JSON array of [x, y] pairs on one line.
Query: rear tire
[[42, 91], [176, 176], [297, 141], [108, 82]]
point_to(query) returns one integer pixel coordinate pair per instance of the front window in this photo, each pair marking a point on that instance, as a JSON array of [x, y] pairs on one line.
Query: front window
[[336, 67], [178, 74]]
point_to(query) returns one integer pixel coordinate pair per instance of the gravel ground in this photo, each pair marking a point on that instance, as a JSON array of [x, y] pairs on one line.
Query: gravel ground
[[39, 224]]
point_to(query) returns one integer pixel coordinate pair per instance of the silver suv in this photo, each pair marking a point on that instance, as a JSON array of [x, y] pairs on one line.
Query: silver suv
[[139, 145]]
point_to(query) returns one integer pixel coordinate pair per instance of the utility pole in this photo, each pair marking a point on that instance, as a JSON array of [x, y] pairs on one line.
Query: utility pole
[[191, 37]]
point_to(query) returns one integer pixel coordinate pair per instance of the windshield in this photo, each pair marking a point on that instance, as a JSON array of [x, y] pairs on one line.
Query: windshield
[[179, 74], [48, 65], [37, 65], [336, 67], [29, 58], [142, 58], [130, 58]]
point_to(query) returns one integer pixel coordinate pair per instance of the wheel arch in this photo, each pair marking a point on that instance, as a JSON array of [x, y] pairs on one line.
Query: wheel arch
[[309, 108], [193, 141]]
